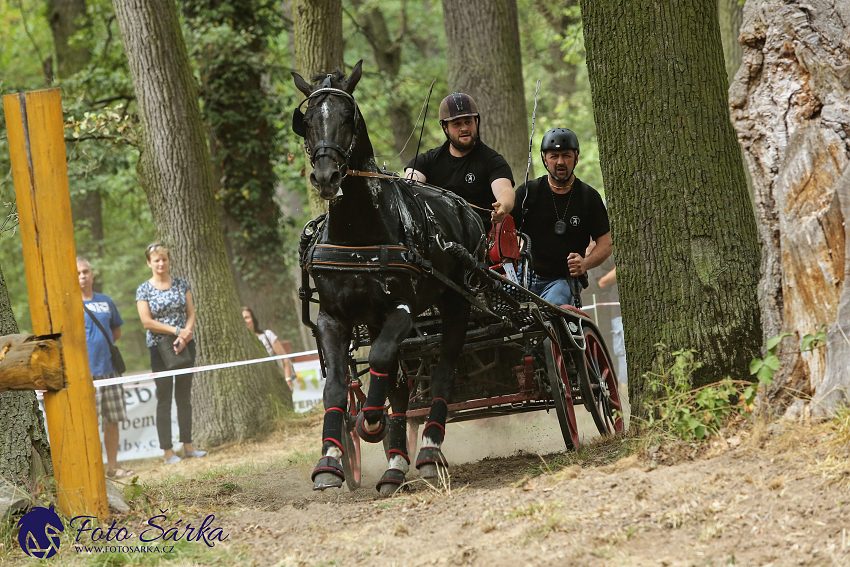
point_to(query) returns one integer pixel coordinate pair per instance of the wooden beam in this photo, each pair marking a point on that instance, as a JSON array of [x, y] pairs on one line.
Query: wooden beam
[[30, 363], [36, 135]]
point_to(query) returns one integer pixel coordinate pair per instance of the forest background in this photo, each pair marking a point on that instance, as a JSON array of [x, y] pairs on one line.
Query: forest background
[[113, 223]]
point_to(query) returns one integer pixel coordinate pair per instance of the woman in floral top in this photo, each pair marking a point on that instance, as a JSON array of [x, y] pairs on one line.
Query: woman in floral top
[[167, 312]]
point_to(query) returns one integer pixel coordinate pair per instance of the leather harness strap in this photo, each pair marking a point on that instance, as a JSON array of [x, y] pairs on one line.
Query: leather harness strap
[[358, 173], [362, 259]]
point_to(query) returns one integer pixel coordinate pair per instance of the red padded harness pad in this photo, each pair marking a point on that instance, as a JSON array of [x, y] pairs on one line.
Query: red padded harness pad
[[505, 243]]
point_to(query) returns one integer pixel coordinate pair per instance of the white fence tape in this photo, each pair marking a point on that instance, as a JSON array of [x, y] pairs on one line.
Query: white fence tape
[[150, 375]]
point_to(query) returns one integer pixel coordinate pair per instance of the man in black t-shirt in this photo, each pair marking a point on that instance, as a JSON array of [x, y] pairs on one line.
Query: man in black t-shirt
[[465, 165], [561, 214]]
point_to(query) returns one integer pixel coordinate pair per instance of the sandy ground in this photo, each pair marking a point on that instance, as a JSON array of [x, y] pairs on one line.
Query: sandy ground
[[766, 496]]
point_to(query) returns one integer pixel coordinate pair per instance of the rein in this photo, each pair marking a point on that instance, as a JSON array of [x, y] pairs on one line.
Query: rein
[[356, 173]]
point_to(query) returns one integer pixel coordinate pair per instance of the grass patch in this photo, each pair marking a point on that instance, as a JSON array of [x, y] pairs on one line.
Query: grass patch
[[232, 470], [597, 453]]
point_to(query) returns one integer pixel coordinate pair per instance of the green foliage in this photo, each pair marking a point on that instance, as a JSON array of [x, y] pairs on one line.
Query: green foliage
[[687, 413], [765, 368]]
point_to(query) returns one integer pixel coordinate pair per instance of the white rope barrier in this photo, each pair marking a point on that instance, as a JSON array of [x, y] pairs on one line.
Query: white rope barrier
[[166, 373]]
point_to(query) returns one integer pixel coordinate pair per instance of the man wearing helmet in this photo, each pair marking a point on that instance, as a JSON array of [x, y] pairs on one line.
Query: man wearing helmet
[[464, 164], [561, 214]]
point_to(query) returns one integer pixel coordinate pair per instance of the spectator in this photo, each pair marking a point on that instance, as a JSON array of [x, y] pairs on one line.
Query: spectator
[[111, 405], [269, 340], [168, 313]]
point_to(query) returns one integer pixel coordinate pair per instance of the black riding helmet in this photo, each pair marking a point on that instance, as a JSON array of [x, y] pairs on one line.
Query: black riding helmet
[[558, 139]]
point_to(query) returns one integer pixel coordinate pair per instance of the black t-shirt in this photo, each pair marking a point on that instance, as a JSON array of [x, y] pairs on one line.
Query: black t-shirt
[[586, 218], [469, 176]]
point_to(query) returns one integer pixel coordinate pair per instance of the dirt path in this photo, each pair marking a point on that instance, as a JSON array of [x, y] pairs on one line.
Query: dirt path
[[764, 498]]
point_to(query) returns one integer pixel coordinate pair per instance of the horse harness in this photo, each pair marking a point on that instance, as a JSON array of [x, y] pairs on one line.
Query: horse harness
[[315, 257]]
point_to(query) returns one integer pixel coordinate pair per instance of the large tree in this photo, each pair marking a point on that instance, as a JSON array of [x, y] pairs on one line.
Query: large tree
[[176, 173], [232, 41], [684, 234], [24, 451], [388, 50], [483, 59], [790, 103], [318, 49], [67, 18]]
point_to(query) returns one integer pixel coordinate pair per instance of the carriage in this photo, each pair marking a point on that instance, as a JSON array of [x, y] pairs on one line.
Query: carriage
[[521, 354], [400, 267]]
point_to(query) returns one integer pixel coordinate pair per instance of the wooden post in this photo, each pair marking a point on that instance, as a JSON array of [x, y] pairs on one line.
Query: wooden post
[[36, 136]]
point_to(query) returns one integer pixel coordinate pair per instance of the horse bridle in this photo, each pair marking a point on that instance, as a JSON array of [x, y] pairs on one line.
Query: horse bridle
[[323, 147]]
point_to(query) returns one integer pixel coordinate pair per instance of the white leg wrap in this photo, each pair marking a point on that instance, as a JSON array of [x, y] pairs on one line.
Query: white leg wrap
[[398, 462], [334, 452], [427, 442]]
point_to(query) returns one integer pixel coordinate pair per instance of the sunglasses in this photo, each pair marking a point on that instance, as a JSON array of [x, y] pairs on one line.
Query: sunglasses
[[155, 246]]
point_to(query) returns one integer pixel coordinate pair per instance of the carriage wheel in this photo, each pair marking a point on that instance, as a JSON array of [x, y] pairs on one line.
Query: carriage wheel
[[560, 386], [351, 445], [599, 386]]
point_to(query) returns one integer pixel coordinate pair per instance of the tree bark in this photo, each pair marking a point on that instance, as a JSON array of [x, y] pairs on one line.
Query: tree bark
[[67, 17], [484, 61], [176, 173], [789, 103], [730, 13], [24, 450], [685, 239], [238, 110], [387, 51], [318, 49]]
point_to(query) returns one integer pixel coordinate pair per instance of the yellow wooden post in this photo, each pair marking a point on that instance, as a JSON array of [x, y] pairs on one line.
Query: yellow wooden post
[[36, 134]]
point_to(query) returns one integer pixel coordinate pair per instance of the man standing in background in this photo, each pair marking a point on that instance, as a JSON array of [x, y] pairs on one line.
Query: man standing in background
[[110, 399]]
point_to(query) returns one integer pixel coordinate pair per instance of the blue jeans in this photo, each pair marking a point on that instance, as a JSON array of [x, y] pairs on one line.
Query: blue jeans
[[553, 290]]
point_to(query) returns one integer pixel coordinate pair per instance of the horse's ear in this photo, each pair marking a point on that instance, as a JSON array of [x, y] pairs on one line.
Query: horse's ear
[[302, 85], [354, 77]]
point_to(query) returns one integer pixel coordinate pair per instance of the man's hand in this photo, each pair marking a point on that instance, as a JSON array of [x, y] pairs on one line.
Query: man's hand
[[576, 264], [499, 213]]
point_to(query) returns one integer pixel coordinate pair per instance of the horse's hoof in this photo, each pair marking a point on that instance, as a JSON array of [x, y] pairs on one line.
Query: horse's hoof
[[428, 471], [391, 482], [428, 461], [324, 481], [327, 474], [373, 436]]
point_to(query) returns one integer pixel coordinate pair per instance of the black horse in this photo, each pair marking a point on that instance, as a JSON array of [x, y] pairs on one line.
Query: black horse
[[388, 250]]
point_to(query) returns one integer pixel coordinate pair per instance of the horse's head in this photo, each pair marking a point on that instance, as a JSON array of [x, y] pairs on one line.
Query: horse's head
[[329, 125]]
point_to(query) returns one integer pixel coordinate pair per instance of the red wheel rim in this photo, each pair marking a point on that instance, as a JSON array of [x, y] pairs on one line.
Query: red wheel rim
[[568, 395], [608, 400], [354, 460]]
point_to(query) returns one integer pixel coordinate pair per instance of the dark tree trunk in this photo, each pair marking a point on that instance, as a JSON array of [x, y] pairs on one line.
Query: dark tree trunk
[[684, 233], [387, 51], [67, 17], [318, 49], [24, 451], [238, 110], [558, 20], [484, 61], [176, 173]]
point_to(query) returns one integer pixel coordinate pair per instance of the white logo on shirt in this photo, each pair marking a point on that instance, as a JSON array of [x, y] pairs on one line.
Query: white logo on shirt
[[575, 221], [470, 178], [98, 307]]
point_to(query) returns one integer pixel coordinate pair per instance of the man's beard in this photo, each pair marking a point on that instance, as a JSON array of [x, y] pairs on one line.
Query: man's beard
[[465, 145], [560, 177]]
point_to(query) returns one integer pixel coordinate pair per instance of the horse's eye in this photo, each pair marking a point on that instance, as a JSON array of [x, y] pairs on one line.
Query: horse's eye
[[307, 148]]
